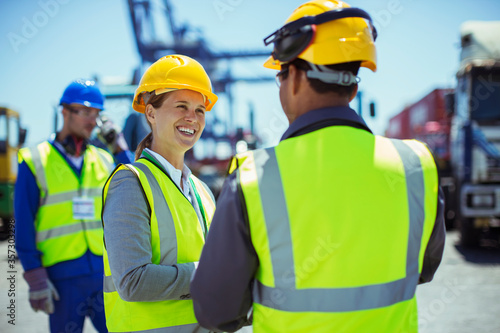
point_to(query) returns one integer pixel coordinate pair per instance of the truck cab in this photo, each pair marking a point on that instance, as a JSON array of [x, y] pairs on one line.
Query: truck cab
[[475, 131]]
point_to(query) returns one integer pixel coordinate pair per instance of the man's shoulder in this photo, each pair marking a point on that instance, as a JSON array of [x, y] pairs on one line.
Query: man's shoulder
[[256, 156], [413, 147], [100, 151], [255, 152], [43, 145], [417, 145]]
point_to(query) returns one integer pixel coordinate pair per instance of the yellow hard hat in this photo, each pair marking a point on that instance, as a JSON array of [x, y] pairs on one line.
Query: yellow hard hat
[[174, 72], [324, 32]]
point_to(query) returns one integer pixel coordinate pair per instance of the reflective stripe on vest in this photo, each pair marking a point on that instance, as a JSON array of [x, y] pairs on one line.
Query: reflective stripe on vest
[[189, 328], [166, 250], [295, 287], [67, 230], [106, 159], [39, 173], [59, 236]]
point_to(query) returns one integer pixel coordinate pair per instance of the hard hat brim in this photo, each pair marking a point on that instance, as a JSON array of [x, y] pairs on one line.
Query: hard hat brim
[[210, 98], [271, 63]]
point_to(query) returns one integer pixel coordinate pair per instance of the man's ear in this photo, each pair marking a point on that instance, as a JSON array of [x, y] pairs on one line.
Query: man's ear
[[296, 77], [354, 92], [64, 112]]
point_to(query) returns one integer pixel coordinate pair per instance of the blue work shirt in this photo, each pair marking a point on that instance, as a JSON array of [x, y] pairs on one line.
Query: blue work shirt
[[26, 203]]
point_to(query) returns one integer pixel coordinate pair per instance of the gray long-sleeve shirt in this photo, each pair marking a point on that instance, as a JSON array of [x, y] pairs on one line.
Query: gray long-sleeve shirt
[[127, 235], [222, 285]]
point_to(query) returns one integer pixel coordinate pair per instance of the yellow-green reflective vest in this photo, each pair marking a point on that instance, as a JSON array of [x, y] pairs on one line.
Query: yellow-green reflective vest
[[59, 236], [321, 207], [176, 238]]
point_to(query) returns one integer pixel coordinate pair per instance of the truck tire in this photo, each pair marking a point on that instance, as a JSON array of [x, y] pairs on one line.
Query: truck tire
[[469, 236]]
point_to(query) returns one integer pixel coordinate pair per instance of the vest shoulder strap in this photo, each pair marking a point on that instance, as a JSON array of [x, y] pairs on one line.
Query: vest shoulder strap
[[135, 172], [103, 156], [34, 156]]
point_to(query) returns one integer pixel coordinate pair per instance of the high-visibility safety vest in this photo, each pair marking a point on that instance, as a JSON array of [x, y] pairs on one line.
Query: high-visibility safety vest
[[60, 234], [340, 220], [176, 238]]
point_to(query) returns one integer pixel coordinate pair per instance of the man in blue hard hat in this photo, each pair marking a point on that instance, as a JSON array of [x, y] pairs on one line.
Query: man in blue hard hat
[[57, 206]]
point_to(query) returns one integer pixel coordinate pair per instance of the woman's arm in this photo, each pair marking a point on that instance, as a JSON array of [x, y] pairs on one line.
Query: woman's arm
[[127, 237]]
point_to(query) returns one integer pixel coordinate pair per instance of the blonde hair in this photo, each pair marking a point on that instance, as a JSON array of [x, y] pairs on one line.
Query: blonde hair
[[156, 101]]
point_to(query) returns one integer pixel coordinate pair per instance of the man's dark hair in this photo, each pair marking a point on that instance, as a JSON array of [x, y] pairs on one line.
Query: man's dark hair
[[321, 87]]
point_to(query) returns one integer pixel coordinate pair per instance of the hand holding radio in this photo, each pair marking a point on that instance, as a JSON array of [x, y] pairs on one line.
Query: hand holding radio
[[110, 134]]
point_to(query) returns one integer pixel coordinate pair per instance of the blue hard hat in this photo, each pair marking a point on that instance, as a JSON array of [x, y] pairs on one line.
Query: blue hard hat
[[84, 92]]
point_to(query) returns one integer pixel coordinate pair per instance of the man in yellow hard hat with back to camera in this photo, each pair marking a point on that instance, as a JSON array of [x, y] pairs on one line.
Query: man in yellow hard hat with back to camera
[[333, 229]]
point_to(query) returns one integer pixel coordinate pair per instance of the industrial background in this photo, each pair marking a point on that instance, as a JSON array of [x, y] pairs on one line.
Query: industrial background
[[438, 81]]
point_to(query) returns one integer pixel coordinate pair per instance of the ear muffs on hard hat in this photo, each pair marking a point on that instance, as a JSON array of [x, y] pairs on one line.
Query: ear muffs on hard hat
[[321, 34], [174, 72], [289, 43]]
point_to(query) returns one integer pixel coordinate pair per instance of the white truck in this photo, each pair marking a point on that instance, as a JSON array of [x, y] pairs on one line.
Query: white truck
[[475, 133]]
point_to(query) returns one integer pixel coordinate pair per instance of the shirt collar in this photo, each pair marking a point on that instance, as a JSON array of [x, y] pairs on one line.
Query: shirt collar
[[174, 173], [341, 113], [61, 148]]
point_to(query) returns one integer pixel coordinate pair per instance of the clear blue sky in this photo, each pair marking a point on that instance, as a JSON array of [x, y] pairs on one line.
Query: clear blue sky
[[45, 44]]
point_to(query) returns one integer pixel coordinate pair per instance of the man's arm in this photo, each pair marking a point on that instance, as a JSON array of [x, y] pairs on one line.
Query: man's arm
[[434, 251], [124, 157], [222, 283], [26, 202]]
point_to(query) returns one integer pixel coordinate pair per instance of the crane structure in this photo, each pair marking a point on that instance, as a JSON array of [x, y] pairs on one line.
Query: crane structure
[[157, 34]]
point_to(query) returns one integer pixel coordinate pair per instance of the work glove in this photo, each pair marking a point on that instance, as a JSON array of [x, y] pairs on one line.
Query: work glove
[[111, 135], [42, 292]]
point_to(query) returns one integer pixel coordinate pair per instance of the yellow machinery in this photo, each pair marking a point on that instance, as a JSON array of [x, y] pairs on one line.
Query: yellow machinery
[[12, 137]]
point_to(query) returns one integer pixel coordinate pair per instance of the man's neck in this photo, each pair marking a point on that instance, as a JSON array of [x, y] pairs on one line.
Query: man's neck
[[73, 145], [319, 103]]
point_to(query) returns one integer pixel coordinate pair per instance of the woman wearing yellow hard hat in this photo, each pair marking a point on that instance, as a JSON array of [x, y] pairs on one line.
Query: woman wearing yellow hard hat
[[156, 214]]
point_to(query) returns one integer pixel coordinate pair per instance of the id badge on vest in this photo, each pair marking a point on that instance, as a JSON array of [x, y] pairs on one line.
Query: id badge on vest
[[83, 208]]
